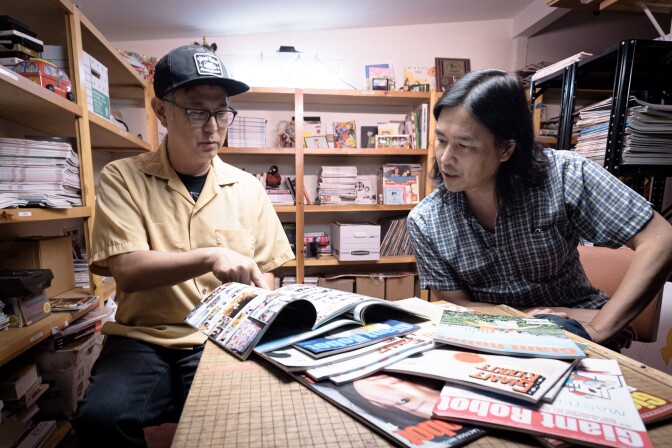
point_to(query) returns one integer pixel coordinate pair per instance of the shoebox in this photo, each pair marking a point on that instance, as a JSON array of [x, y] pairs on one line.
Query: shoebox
[[354, 242], [53, 253], [399, 286], [67, 372], [26, 310], [95, 78], [338, 282]]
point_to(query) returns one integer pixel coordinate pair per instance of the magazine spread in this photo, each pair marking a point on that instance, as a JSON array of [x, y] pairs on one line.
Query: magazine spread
[[593, 408], [527, 379], [398, 407], [508, 335], [236, 316]]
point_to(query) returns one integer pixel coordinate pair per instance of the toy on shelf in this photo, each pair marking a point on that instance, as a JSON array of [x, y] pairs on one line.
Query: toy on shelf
[[273, 178], [47, 75]]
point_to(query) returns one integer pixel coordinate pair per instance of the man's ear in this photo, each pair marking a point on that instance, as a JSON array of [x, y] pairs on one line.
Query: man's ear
[[507, 150], [159, 108]]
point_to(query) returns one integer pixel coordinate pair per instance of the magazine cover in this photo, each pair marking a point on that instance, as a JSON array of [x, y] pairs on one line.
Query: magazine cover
[[398, 407], [593, 408], [345, 135], [508, 335], [236, 316], [527, 379]]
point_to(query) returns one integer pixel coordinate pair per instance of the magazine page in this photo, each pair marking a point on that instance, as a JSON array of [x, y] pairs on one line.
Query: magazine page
[[398, 408], [594, 407], [344, 340], [366, 364], [528, 379], [508, 335], [290, 359], [235, 316]]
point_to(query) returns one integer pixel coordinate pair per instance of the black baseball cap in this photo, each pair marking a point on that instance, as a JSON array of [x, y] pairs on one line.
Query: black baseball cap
[[191, 65]]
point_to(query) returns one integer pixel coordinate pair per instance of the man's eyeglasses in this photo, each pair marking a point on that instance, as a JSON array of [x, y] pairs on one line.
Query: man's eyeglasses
[[199, 117]]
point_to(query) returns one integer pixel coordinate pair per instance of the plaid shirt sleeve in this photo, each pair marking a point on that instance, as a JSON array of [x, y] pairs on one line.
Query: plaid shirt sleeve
[[603, 209], [432, 269]]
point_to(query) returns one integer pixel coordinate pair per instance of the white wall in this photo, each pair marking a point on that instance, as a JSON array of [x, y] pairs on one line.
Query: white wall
[[487, 44]]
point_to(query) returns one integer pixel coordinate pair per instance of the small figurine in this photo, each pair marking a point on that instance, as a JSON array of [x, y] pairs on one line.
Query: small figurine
[[273, 178]]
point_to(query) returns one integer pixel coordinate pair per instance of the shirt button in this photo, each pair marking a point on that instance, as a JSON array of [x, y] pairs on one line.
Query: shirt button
[[204, 290]]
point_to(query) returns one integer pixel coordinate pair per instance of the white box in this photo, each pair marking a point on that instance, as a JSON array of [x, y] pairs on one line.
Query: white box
[[354, 242], [67, 372], [94, 75]]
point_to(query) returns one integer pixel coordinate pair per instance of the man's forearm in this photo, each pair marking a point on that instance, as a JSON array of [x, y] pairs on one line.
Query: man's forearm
[[148, 269]]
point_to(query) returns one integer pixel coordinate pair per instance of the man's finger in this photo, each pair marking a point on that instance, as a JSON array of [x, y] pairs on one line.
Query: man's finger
[[258, 279]]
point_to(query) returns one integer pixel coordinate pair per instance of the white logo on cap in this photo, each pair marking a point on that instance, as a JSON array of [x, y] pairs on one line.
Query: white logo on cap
[[208, 64]]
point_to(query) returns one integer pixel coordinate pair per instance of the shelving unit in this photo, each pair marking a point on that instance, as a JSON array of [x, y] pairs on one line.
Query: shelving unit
[[301, 103], [26, 105], [641, 68]]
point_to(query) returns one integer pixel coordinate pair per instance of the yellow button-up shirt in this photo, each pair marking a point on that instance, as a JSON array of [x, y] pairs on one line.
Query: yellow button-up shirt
[[142, 204]]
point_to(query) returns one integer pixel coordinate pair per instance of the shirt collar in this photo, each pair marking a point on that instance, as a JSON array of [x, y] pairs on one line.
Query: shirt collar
[[158, 165]]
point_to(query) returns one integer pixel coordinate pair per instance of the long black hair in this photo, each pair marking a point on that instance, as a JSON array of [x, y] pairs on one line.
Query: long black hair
[[497, 100]]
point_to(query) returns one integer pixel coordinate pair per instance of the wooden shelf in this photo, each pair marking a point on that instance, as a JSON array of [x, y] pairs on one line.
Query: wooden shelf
[[331, 261], [357, 208], [365, 97], [15, 341], [106, 135], [373, 152], [285, 208], [258, 151], [265, 95], [59, 433], [24, 101], [23, 215]]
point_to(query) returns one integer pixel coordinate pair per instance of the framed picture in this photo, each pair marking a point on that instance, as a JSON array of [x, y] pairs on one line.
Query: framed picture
[[316, 141], [393, 141], [449, 70], [380, 84]]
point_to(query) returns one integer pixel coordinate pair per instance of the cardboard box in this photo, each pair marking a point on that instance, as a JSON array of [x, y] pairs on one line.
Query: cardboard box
[[370, 285], [26, 310], [400, 286], [67, 372], [53, 253], [340, 283], [94, 75], [354, 242]]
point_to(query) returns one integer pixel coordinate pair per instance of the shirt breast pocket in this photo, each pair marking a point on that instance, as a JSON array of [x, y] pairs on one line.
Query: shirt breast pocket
[[238, 240], [545, 254]]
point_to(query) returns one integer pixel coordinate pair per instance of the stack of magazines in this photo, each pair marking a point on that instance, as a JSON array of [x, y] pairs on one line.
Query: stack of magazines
[[648, 136], [39, 173], [427, 375]]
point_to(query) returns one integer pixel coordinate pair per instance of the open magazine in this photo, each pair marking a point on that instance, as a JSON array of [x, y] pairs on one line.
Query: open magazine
[[236, 316], [527, 379], [400, 408], [593, 408], [506, 335]]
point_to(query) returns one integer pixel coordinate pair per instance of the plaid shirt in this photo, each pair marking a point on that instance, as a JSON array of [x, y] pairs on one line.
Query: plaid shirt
[[531, 260]]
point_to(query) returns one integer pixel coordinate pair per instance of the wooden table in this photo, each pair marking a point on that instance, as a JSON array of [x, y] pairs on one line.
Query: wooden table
[[254, 404]]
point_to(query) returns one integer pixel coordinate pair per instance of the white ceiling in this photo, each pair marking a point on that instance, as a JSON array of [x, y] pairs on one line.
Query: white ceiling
[[126, 20]]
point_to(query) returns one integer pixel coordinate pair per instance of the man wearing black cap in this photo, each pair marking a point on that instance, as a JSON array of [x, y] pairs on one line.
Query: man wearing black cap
[[171, 226]]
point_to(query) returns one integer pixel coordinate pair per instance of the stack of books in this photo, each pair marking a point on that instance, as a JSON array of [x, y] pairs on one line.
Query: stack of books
[[593, 128], [39, 173], [17, 42], [396, 240], [247, 132], [337, 185]]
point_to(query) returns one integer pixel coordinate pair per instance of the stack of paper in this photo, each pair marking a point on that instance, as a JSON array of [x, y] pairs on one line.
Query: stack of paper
[[247, 132], [648, 136], [593, 126], [38, 173], [337, 185]]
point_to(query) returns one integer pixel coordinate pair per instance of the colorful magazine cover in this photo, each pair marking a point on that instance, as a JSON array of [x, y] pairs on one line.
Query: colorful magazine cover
[[508, 335], [345, 135], [527, 379], [594, 408], [398, 407]]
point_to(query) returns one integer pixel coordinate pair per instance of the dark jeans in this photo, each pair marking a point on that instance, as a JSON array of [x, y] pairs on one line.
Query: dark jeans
[[133, 385]]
